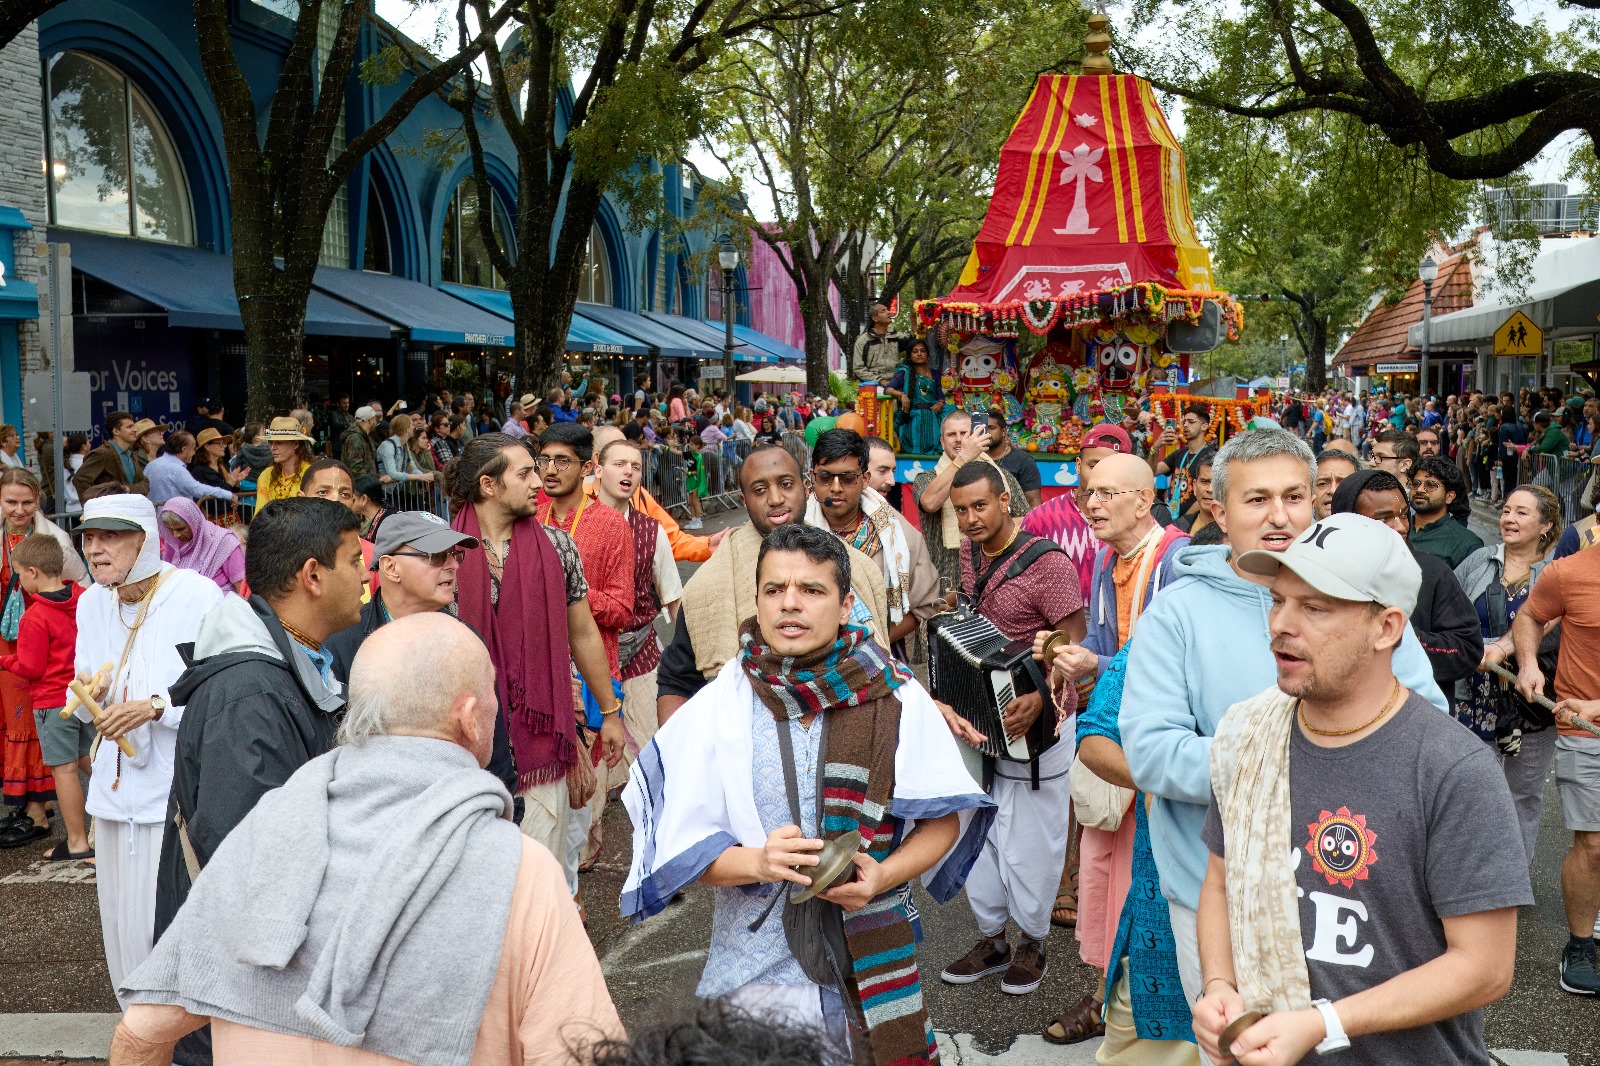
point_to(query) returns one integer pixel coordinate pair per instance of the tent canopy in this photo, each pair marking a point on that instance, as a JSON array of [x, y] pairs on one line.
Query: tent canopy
[[776, 375], [1562, 298]]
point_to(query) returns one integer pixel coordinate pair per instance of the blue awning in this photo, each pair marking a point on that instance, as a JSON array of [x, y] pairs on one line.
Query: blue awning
[[431, 316], [663, 339], [787, 353], [196, 287], [713, 334], [18, 298], [582, 335]]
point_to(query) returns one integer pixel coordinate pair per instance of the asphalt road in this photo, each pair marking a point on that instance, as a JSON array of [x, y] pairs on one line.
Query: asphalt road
[[50, 939]]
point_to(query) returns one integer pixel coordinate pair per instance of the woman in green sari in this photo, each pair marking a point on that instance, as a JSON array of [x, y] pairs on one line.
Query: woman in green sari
[[916, 386]]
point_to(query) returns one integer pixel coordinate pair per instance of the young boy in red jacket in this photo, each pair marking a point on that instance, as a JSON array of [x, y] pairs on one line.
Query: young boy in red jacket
[[47, 639]]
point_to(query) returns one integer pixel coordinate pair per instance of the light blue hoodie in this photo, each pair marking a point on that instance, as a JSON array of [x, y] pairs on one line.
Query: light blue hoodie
[[1201, 647]]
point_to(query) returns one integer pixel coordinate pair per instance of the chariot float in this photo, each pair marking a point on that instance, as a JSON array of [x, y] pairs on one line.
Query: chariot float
[[1087, 289]]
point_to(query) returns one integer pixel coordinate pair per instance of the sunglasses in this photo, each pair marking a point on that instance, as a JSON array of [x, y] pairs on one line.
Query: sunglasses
[[848, 479], [436, 559], [560, 462]]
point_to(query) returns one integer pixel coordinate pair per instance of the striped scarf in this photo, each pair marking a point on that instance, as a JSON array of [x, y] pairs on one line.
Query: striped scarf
[[853, 681]]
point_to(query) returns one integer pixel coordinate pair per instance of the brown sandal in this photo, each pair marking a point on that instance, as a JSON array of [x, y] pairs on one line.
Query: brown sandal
[[1065, 913], [1079, 1023]]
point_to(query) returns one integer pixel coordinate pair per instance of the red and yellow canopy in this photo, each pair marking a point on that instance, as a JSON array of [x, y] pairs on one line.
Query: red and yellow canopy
[[1091, 199]]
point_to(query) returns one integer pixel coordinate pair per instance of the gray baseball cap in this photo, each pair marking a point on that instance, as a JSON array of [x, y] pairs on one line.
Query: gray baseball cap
[[1349, 557], [418, 530]]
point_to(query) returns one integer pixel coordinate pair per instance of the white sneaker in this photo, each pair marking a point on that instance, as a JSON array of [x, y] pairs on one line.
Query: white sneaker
[[693, 523]]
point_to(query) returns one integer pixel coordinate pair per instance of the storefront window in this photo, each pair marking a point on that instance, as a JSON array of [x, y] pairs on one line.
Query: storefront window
[[376, 256], [96, 113], [594, 287], [463, 256]]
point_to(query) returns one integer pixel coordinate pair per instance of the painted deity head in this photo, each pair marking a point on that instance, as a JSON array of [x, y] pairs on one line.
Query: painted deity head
[[980, 364]]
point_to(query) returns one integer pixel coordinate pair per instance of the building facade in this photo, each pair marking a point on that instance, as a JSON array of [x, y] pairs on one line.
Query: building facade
[[110, 96]]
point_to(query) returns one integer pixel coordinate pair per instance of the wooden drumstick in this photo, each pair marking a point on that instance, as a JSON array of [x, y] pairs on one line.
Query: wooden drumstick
[[1539, 697], [95, 712], [73, 702]]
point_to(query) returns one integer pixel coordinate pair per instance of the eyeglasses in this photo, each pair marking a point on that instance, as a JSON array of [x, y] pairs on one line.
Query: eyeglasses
[[848, 479], [560, 462], [1103, 495], [436, 559]]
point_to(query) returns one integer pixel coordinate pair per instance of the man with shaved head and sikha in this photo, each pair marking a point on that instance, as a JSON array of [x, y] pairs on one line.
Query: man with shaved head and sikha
[[1132, 563], [465, 946]]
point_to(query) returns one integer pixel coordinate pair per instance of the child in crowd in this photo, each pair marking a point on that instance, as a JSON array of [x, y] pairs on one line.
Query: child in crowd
[[695, 482], [47, 639]]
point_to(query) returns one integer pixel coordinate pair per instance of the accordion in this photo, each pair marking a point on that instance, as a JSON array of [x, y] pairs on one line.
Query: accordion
[[977, 670]]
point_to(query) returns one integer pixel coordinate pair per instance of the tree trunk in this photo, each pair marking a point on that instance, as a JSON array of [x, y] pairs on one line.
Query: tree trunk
[[817, 315], [274, 312], [1316, 354]]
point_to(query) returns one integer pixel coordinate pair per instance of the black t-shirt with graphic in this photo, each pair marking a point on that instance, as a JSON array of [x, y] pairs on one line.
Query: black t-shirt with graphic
[[1405, 827]]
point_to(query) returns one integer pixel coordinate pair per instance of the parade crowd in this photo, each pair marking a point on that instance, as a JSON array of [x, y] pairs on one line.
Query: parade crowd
[[336, 705]]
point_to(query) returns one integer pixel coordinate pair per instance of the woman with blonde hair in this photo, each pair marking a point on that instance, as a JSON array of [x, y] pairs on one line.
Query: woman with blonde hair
[[1497, 579], [397, 464], [291, 454]]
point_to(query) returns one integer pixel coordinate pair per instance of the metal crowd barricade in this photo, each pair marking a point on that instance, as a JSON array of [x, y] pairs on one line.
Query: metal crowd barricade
[[795, 444], [1561, 474], [417, 496], [723, 463], [670, 480]]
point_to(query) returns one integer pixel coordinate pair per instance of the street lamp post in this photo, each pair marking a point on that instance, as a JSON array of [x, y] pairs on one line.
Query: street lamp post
[[728, 259], [1428, 271]]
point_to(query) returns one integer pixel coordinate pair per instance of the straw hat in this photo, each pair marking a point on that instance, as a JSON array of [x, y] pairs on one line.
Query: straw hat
[[143, 426], [529, 400], [206, 436], [285, 427]]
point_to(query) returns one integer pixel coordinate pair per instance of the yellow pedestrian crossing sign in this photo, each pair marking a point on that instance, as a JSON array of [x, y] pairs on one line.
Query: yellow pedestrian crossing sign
[[1518, 336]]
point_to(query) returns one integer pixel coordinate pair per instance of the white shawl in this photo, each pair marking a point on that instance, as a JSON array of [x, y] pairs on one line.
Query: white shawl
[[1250, 779], [691, 796], [895, 552]]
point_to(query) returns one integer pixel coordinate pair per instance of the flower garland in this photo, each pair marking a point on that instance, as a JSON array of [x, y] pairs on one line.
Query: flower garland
[[1144, 299], [1227, 417]]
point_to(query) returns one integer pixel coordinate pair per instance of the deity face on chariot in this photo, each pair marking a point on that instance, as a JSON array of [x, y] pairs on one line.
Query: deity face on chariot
[[978, 368], [1119, 361], [1049, 383]]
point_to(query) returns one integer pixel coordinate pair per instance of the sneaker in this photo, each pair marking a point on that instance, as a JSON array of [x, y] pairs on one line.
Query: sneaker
[[1027, 970], [1578, 969], [693, 523], [984, 959]]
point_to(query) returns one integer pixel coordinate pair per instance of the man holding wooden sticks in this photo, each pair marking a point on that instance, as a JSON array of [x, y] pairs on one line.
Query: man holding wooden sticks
[[130, 623]]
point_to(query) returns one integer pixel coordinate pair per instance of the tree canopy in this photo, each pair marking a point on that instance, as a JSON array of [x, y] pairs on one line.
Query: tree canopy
[[1475, 88]]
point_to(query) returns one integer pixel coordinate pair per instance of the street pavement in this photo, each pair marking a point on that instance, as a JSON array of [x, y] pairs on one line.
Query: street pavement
[[50, 937]]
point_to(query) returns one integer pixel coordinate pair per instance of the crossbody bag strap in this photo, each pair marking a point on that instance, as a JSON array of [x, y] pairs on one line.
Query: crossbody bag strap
[[982, 584]]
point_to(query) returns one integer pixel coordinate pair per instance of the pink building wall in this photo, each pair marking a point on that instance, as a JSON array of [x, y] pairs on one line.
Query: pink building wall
[[774, 303]]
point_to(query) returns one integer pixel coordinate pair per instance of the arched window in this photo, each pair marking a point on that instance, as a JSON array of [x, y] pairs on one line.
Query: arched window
[[594, 287], [376, 256], [463, 257], [112, 166]]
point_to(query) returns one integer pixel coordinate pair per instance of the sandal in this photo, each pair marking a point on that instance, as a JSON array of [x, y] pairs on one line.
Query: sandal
[[23, 832], [61, 853], [1065, 912], [1079, 1023]]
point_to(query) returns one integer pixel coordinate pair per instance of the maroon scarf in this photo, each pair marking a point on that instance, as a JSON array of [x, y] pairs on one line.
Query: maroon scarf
[[534, 683]]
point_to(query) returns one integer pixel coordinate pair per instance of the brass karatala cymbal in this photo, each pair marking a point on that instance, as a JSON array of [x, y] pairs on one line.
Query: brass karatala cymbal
[[835, 862], [1235, 1029]]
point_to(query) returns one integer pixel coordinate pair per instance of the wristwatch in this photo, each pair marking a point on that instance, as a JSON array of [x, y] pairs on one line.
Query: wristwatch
[[158, 705], [1336, 1040]]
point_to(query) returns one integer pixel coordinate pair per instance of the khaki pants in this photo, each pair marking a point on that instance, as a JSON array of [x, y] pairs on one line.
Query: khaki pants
[[545, 817], [1122, 1046]]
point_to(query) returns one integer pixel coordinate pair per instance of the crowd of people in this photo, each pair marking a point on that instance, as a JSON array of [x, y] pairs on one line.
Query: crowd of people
[[260, 676]]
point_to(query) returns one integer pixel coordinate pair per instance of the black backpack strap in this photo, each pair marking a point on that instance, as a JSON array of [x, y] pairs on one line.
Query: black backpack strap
[[1026, 550]]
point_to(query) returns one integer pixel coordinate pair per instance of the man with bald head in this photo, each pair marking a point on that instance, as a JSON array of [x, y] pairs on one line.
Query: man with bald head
[[1132, 563], [465, 937]]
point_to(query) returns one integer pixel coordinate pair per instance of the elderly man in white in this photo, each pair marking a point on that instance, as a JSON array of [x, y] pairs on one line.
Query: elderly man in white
[[130, 624]]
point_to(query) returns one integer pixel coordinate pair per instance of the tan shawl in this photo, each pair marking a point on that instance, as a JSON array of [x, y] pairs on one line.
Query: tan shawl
[[1250, 779], [722, 594]]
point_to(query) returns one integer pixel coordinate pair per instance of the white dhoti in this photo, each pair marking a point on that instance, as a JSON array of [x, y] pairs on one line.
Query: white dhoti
[[809, 1007], [1017, 872], [639, 725], [127, 858]]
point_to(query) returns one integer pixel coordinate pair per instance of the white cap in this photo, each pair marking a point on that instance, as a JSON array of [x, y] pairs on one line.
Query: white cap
[[364, 413], [1349, 557]]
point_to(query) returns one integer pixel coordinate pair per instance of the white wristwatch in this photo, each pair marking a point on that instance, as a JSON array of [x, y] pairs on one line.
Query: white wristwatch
[[1336, 1040]]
